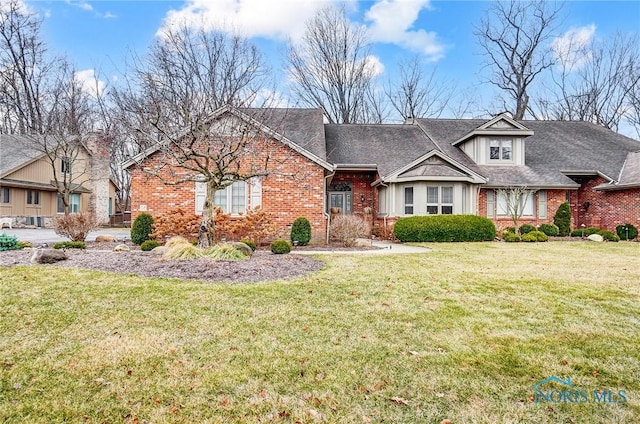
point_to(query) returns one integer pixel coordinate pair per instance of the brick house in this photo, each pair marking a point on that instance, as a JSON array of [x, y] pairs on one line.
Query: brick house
[[425, 166]]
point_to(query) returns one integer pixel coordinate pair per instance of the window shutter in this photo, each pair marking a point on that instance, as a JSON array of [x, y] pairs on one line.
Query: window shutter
[[491, 203], [542, 204], [256, 193], [201, 196]]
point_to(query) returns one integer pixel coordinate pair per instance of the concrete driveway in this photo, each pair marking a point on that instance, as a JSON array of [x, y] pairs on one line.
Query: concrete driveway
[[42, 235]]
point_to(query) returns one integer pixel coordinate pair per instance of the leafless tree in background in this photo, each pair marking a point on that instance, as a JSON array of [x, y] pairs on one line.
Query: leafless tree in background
[[42, 99], [168, 102], [331, 68], [24, 67], [595, 82], [514, 37], [417, 94]]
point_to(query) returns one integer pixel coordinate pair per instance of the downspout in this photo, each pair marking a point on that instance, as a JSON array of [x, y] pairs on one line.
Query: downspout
[[386, 214], [324, 204]]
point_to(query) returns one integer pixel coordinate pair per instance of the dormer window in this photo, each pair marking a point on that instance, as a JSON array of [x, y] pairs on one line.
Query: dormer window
[[501, 150]]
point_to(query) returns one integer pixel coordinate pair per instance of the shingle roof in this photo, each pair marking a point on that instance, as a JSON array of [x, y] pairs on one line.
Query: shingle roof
[[631, 171], [304, 127], [15, 152], [555, 146], [388, 146]]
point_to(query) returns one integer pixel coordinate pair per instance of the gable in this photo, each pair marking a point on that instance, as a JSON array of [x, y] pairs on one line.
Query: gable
[[434, 167], [501, 125], [229, 121]]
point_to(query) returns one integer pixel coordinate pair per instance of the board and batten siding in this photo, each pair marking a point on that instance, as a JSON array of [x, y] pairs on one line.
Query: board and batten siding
[[391, 198], [478, 149]]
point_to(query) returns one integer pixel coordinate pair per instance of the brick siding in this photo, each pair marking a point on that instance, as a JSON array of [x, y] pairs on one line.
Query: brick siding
[[607, 209], [293, 189]]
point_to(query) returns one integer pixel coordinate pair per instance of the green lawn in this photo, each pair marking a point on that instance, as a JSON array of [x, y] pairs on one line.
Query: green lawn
[[460, 333]]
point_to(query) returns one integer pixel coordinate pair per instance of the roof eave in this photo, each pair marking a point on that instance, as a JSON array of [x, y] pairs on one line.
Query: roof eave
[[356, 167], [614, 187]]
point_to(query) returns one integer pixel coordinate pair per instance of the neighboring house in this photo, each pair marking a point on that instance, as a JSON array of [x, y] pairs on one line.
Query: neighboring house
[[28, 195], [425, 166]]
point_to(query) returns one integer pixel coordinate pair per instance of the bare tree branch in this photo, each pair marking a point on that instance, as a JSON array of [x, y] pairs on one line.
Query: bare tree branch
[[330, 68], [514, 37]]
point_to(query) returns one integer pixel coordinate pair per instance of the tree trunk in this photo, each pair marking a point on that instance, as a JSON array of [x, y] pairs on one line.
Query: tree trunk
[[207, 231]]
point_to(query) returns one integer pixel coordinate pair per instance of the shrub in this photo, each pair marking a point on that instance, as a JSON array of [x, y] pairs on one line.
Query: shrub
[[70, 245], [225, 252], [149, 245], [280, 246], [585, 231], [8, 242], [535, 236], [624, 235], [75, 226], [23, 244], [609, 236], [255, 224], [249, 243], [301, 231], [509, 230], [549, 229], [511, 237], [141, 228], [526, 228], [445, 228], [562, 219], [347, 228], [176, 222]]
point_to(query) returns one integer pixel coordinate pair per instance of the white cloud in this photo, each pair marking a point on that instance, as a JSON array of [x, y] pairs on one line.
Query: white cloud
[[81, 4], [20, 5], [391, 21], [251, 18], [571, 47], [89, 83], [109, 15], [374, 65]]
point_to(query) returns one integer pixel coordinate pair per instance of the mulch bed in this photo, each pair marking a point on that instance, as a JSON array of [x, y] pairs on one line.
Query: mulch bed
[[262, 266]]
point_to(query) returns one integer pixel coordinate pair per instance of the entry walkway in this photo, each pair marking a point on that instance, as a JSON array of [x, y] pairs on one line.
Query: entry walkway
[[47, 235], [384, 248]]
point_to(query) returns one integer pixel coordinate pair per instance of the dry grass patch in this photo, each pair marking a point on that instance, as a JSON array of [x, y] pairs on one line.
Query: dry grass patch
[[462, 332]]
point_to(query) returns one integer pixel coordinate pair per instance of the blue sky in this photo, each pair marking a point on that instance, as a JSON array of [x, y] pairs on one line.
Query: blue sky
[[100, 34]]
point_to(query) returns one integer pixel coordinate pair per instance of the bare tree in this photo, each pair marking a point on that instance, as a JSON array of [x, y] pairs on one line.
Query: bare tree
[[514, 37], [515, 201], [42, 99], [417, 94], [24, 67], [168, 103], [331, 68], [595, 82], [67, 130]]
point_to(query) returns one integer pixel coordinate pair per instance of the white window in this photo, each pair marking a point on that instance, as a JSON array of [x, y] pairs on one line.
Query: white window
[[74, 203], [526, 205], [232, 199], [408, 200], [439, 200], [501, 150]]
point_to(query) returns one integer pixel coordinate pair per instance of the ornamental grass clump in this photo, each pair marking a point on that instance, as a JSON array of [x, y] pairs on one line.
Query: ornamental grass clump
[[225, 252]]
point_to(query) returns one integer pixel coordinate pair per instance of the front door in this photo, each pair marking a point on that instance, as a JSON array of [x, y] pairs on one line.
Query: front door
[[341, 200]]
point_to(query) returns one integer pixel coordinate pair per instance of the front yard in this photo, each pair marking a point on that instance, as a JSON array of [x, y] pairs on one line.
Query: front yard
[[461, 333]]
